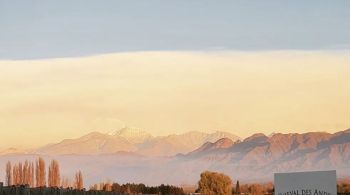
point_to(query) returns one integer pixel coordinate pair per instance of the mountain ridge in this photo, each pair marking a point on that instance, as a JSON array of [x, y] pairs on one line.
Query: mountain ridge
[[331, 149], [254, 158], [133, 140]]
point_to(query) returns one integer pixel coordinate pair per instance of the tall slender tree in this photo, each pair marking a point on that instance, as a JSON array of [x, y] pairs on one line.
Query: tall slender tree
[[40, 173], [25, 173], [20, 173], [31, 174], [54, 179], [15, 174], [238, 189], [8, 173], [79, 182]]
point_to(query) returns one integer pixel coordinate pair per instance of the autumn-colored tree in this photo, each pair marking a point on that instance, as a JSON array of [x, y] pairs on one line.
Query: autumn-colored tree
[[16, 176], [244, 188], [94, 187], [256, 189], [269, 188], [25, 173], [128, 191], [212, 183], [20, 173], [65, 183], [343, 187], [40, 173], [79, 182], [31, 174], [107, 186], [8, 174], [54, 178]]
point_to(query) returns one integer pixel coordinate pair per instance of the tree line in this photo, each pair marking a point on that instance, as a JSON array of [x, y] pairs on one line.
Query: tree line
[[34, 174], [343, 187], [212, 183], [132, 188]]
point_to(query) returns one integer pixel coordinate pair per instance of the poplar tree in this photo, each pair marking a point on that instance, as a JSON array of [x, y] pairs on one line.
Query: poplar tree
[[8, 173], [79, 183], [54, 178], [40, 173]]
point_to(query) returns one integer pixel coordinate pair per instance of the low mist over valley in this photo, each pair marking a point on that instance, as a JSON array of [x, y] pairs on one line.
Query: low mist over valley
[[133, 155]]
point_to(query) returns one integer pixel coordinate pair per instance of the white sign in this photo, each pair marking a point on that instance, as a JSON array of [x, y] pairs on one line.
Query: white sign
[[306, 183]]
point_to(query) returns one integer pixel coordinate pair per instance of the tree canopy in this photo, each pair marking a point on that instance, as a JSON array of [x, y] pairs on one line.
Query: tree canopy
[[213, 183]]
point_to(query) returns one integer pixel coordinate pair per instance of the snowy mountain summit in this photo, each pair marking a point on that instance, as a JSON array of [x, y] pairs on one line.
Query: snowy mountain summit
[[133, 135]]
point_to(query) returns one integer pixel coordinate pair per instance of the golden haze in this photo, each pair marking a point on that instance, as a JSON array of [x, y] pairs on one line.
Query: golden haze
[[47, 100]]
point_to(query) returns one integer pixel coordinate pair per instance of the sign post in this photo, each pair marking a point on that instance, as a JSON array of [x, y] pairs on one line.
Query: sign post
[[306, 183]]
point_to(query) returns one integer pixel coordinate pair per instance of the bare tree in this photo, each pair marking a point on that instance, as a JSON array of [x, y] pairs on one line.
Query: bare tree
[[79, 183], [15, 174], [54, 179], [8, 173], [40, 173]]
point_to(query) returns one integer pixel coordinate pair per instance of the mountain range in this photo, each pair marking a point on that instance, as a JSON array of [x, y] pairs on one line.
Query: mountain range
[[132, 155], [133, 140], [260, 154]]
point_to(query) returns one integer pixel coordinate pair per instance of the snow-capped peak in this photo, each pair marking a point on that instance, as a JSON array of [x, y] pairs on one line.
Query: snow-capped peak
[[133, 135]]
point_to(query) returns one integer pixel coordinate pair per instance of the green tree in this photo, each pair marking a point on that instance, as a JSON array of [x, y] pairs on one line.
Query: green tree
[[213, 183]]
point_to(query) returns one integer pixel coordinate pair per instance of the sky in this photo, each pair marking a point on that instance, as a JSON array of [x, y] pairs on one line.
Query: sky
[[49, 28], [71, 67], [174, 92]]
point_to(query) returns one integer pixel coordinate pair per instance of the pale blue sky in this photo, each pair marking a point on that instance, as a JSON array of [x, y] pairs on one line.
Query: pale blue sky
[[45, 29]]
